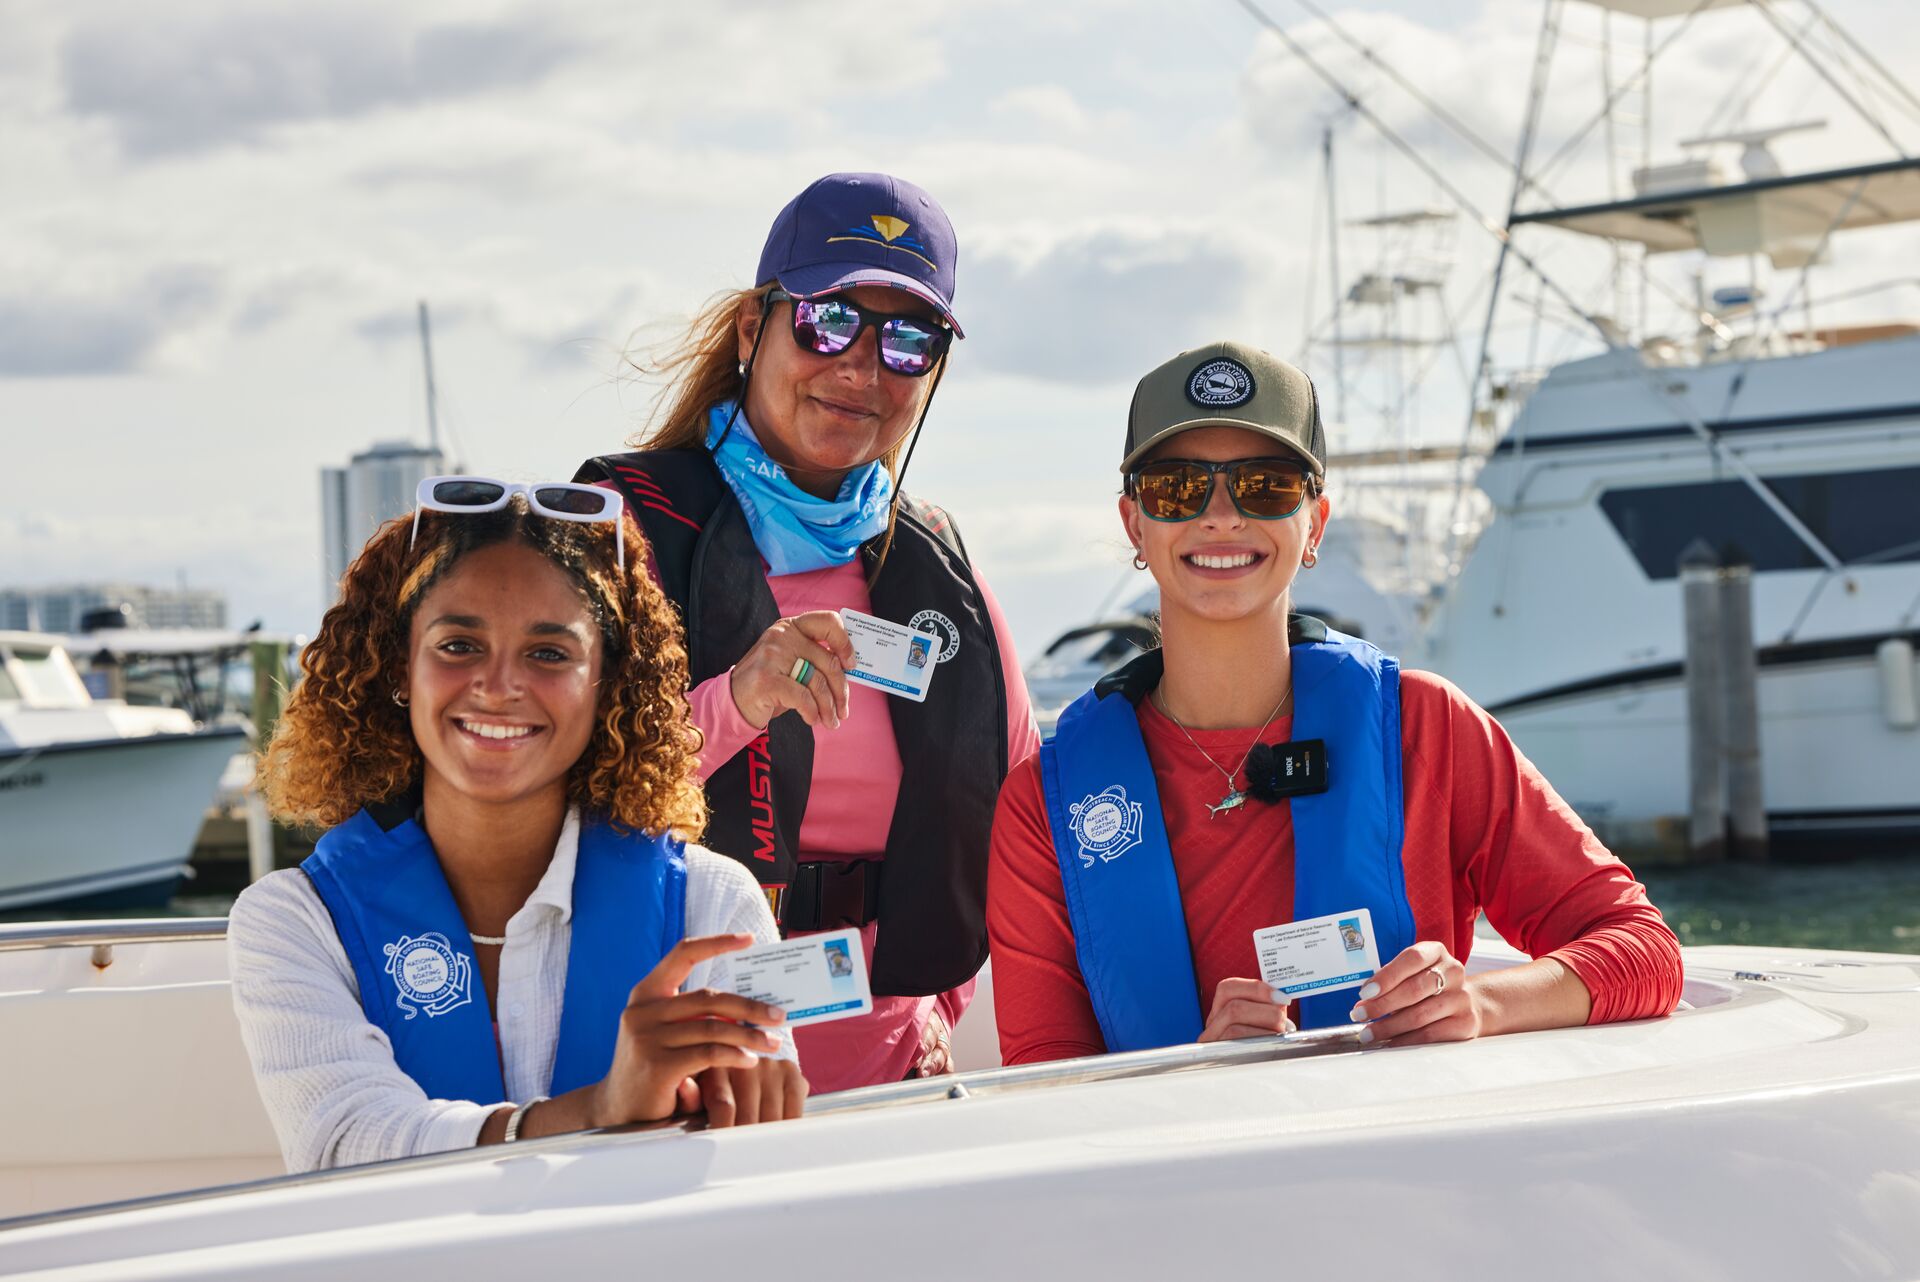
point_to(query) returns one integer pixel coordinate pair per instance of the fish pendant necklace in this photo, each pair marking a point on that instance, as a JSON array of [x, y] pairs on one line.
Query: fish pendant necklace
[[1236, 796]]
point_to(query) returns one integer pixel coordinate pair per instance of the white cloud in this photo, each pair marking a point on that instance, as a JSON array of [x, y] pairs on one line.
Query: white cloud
[[180, 86], [218, 215]]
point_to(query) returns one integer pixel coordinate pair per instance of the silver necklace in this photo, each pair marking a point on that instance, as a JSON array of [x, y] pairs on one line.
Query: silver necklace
[[1235, 797]]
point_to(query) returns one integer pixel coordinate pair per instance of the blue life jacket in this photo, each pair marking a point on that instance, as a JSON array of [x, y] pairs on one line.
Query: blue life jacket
[[413, 958], [1129, 926]]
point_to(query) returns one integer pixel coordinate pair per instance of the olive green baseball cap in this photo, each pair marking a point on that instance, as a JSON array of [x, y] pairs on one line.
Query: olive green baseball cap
[[1227, 384]]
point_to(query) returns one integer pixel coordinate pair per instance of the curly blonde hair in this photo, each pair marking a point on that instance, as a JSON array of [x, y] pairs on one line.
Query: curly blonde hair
[[343, 743]]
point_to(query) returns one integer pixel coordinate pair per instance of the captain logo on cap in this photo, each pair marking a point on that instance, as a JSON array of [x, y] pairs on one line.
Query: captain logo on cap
[[847, 230], [1227, 384]]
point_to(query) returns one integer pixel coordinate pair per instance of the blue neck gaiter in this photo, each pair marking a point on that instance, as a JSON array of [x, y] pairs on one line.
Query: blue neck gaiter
[[794, 530]]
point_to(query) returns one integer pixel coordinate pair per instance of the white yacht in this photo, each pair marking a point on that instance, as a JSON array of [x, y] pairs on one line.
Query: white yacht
[[99, 801], [1776, 429], [1565, 620]]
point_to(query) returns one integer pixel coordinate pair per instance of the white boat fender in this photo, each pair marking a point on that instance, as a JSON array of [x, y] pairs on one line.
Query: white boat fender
[[1897, 694]]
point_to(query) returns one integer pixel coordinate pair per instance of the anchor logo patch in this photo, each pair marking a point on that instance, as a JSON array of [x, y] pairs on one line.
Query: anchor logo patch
[[430, 975], [1106, 825]]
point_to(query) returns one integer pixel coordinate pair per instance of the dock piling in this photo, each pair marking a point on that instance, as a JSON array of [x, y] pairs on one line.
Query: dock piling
[[1706, 702], [1740, 742]]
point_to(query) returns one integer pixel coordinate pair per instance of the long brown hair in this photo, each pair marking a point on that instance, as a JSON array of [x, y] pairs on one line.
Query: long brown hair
[[344, 742]]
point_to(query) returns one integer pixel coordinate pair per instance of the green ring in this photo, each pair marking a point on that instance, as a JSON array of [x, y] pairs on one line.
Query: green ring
[[805, 674]]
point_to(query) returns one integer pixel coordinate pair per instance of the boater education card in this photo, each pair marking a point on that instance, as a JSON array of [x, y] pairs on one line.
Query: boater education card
[[1319, 955], [814, 978], [891, 656]]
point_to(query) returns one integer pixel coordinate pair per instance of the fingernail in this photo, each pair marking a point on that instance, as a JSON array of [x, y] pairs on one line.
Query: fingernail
[[1366, 1034], [1358, 1014], [1369, 989], [1280, 997]]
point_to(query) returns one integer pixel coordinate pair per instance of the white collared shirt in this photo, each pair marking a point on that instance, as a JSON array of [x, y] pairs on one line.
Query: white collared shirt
[[327, 1075]]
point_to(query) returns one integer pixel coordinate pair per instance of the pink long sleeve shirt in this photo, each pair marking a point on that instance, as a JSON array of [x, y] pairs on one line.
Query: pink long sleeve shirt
[[856, 784]]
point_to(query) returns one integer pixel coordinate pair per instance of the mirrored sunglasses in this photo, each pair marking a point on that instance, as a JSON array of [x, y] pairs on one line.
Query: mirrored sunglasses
[[909, 345], [1262, 489], [560, 500]]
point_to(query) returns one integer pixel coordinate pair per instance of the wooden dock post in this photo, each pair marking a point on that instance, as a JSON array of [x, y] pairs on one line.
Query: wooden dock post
[[1746, 796], [1706, 703]]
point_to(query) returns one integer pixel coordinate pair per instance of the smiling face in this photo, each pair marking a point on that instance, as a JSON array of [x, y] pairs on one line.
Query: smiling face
[[822, 416], [1222, 566], [503, 674]]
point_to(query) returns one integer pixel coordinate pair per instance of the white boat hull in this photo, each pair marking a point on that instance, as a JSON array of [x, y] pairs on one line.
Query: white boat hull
[[1619, 755], [1768, 1132], [108, 817]]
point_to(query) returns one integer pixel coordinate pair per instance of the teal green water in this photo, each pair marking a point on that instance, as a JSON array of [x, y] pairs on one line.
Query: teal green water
[[1865, 904]]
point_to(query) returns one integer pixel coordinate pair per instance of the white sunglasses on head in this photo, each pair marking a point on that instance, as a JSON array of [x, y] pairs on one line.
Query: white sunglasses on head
[[561, 500]]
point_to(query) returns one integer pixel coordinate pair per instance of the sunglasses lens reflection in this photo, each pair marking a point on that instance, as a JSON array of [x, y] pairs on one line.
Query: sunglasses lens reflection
[[573, 502], [827, 326], [467, 493], [1173, 491], [1268, 490], [908, 347]]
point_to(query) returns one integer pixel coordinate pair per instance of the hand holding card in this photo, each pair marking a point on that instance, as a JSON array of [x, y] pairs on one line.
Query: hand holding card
[[891, 656], [814, 979], [1318, 955]]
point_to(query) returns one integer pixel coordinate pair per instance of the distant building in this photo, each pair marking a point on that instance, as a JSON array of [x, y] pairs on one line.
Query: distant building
[[376, 486], [59, 608]]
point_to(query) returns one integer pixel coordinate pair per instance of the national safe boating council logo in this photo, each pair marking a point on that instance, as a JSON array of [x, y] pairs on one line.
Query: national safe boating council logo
[[1105, 824], [429, 974]]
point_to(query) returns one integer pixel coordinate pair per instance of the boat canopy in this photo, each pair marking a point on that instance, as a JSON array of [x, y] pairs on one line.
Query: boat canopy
[[1785, 218]]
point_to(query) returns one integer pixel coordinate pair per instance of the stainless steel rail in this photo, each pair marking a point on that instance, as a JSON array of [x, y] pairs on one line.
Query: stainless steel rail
[[1096, 1068], [102, 936]]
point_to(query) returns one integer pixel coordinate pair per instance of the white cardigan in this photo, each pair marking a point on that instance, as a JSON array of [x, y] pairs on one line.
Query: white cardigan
[[328, 1077]]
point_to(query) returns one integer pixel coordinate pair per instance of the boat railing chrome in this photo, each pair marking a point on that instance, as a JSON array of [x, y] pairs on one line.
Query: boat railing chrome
[[103, 936]]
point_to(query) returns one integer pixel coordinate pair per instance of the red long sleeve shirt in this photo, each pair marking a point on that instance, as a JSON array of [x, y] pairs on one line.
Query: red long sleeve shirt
[[1484, 831]]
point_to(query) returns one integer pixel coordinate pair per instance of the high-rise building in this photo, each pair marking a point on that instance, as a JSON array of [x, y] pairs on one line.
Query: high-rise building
[[60, 607], [376, 486]]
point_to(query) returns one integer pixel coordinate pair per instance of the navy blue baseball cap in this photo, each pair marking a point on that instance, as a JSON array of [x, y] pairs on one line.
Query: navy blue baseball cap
[[863, 229]]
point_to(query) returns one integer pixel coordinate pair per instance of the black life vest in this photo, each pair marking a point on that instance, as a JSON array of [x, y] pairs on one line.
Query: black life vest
[[931, 901]]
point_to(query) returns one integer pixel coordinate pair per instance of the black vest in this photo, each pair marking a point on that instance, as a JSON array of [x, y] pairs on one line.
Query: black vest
[[953, 748]]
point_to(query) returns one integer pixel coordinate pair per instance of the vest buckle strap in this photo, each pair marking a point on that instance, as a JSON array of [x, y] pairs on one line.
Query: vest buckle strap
[[831, 895]]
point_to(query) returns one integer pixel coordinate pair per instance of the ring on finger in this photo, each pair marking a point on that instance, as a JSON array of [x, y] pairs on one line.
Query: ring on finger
[[801, 671], [1439, 981]]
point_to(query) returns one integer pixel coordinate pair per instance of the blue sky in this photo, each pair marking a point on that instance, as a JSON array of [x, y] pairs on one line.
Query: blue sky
[[217, 216]]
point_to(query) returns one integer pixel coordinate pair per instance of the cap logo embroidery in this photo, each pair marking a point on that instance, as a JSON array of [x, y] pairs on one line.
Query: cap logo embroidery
[[1220, 384], [889, 232]]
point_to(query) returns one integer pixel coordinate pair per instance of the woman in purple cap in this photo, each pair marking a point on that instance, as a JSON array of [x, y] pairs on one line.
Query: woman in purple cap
[[768, 486]]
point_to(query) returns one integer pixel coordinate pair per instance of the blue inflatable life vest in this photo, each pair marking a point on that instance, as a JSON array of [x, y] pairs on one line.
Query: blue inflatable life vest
[[1129, 926], [413, 957]]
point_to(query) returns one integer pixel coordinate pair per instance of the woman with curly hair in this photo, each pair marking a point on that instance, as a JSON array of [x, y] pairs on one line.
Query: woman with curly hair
[[492, 727]]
